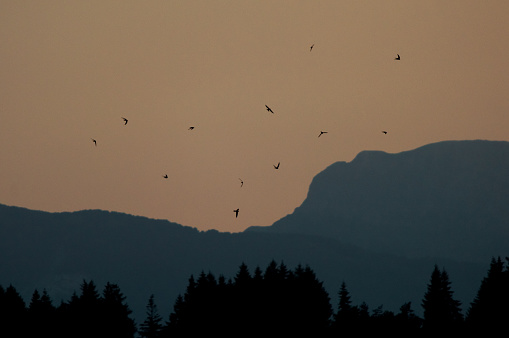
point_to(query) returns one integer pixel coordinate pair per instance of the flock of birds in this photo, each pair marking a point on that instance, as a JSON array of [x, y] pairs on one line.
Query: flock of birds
[[236, 211]]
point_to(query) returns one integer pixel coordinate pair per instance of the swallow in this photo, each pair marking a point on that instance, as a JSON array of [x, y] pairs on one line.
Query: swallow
[[276, 167], [241, 182], [95, 142], [311, 48], [384, 132], [125, 120], [268, 109], [165, 176], [236, 211], [397, 58], [322, 132], [191, 128]]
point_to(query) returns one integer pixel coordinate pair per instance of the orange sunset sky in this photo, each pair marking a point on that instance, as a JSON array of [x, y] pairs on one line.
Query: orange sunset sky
[[70, 70]]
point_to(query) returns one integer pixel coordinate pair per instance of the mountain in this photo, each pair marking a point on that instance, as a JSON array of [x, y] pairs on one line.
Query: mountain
[[57, 251], [447, 199], [379, 223]]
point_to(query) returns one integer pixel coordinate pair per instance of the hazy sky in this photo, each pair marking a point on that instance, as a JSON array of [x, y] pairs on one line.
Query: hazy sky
[[69, 70]]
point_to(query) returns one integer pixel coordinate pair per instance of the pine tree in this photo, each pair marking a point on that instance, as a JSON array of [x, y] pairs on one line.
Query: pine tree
[[243, 277], [345, 304], [310, 306], [490, 308], [12, 313], [89, 309], [41, 315], [177, 319], [115, 311], [182, 318], [346, 318], [152, 326], [205, 309], [442, 312]]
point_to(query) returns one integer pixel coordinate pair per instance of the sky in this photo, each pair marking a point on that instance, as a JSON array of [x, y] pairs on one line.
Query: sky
[[70, 70]]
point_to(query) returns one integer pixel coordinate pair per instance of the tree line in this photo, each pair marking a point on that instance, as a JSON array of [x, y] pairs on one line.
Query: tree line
[[272, 301]]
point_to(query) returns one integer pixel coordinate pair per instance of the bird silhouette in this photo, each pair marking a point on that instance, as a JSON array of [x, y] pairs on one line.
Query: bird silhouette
[[397, 58], [384, 132], [268, 109], [311, 48], [165, 176], [191, 128], [95, 142], [322, 132], [236, 211], [276, 167], [241, 182], [125, 120]]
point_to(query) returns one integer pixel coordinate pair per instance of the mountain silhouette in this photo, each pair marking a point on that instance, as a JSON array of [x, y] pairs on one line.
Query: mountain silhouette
[[379, 223], [446, 199]]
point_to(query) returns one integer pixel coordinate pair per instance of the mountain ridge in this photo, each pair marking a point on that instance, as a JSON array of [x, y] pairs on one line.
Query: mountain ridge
[[144, 256], [412, 203]]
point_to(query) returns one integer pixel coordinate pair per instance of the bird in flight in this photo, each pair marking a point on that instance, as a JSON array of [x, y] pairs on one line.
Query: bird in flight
[[276, 166], [241, 182], [397, 58], [268, 109], [191, 128], [236, 211], [165, 176], [125, 120], [384, 132], [311, 48], [95, 142], [322, 132]]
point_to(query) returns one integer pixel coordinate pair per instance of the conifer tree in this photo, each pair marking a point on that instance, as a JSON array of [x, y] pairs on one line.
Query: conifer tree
[[346, 317], [271, 272], [177, 319], [243, 277], [190, 290], [345, 307], [258, 276], [152, 326], [310, 303], [490, 308], [89, 310], [116, 321], [205, 309], [41, 315], [182, 317], [12, 313], [81, 316], [441, 311]]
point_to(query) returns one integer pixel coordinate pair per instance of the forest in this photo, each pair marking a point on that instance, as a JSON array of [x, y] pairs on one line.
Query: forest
[[276, 300]]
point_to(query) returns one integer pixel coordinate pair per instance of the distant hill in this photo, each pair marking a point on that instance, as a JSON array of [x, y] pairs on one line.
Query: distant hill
[[57, 251], [448, 199]]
